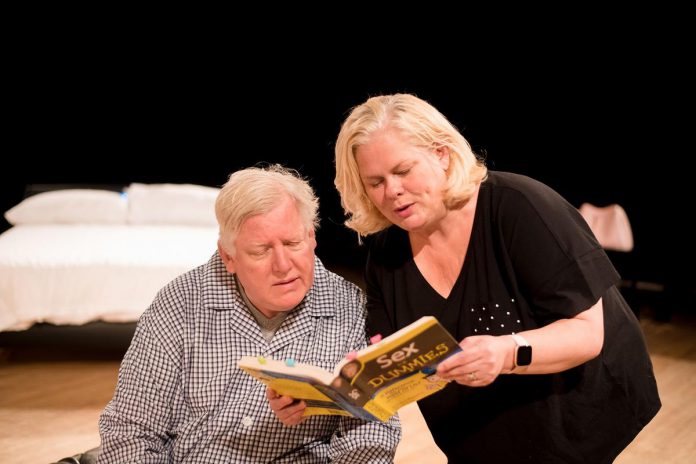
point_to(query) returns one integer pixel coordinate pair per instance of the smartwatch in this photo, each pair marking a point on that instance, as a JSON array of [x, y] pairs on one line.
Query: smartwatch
[[523, 352]]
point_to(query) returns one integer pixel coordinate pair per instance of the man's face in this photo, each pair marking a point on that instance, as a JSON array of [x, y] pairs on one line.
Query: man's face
[[273, 259]]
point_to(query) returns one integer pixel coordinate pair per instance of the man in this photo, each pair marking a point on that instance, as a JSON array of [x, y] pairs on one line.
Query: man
[[180, 395]]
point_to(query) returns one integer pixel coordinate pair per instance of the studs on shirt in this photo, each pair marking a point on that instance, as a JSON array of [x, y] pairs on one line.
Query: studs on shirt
[[247, 421], [496, 318]]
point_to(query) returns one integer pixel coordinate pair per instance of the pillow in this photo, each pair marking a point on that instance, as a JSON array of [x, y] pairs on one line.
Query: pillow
[[182, 204], [71, 206]]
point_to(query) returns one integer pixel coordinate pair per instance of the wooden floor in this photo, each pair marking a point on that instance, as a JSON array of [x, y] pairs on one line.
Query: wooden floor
[[50, 401]]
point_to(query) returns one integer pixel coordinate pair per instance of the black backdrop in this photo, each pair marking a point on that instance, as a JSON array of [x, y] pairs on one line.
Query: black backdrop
[[604, 130]]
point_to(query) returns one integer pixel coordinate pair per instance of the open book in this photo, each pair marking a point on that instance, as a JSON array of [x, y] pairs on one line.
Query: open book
[[372, 383]]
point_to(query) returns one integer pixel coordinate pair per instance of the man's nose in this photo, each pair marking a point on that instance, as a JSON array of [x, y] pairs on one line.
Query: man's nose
[[281, 261]]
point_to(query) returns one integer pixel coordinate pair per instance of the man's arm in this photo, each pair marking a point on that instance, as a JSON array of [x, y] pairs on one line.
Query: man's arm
[[368, 442], [136, 425]]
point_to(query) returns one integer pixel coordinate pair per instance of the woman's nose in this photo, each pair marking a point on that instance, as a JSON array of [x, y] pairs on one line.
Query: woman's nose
[[394, 188]]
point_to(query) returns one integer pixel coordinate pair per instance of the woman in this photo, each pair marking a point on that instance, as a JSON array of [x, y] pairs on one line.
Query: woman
[[553, 367]]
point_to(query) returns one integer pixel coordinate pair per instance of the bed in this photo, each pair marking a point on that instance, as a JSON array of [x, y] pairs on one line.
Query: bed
[[74, 256]]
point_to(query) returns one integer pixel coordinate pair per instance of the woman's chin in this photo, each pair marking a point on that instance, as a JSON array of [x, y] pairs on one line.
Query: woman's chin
[[410, 224]]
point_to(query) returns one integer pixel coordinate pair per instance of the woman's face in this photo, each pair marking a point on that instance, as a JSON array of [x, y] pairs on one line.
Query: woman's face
[[405, 182]]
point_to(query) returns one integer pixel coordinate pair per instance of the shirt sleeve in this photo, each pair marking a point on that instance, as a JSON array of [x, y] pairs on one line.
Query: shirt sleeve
[[551, 251], [137, 425], [362, 441], [357, 440]]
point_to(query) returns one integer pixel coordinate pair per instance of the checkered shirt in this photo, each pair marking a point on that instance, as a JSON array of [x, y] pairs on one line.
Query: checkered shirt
[[181, 398]]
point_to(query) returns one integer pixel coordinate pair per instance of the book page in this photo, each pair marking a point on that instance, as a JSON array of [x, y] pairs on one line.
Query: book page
[[257, 366], [315, 386]]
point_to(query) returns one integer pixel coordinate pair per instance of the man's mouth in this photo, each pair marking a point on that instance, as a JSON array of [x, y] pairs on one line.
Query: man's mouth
[[286, 281]]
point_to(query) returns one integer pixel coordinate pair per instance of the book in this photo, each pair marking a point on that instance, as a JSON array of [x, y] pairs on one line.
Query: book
[[372, 383]]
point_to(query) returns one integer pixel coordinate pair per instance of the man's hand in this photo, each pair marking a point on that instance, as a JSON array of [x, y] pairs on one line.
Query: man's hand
[[288, 410]]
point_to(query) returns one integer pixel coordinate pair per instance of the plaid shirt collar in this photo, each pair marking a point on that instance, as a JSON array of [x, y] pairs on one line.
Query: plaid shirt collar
[[219, 292]]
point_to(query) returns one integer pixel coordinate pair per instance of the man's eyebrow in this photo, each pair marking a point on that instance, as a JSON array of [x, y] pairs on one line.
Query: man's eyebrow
[[258, 245]]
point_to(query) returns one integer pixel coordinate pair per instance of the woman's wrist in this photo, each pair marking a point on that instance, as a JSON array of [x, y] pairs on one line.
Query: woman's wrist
[[509, 361]]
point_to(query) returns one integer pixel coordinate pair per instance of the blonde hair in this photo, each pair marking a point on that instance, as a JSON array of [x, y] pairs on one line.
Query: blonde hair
[[425, 127], [257, 190]]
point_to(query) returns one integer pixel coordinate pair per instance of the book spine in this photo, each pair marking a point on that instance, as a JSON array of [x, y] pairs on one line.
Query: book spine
[[338, 398]]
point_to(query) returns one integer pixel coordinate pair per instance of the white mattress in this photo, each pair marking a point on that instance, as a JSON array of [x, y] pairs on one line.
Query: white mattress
[[73, 274]]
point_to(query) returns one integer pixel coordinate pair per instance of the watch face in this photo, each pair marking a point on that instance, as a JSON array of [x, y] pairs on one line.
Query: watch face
[[524, 355]]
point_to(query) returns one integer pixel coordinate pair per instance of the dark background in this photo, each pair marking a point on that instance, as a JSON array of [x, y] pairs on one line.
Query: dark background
[[608, 123]]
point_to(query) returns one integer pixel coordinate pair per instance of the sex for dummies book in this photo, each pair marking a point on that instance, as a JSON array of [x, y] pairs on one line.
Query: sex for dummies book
[[372, 383]]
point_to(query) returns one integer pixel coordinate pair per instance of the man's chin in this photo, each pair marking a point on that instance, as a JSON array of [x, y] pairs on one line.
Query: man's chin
[[289, 300]]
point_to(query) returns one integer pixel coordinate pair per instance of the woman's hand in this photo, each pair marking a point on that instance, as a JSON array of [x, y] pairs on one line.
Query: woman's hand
[[288, 410], [482, 359]]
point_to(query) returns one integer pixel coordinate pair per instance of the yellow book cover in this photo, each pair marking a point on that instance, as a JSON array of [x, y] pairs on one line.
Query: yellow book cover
[[372, 383]]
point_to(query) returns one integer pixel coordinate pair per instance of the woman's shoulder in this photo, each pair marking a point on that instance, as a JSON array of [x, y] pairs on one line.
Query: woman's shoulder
[[516, 190], [510, 182], [389, 247]]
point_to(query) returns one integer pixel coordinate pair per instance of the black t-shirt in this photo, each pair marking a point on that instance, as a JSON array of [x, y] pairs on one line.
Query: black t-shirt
[[531, 260]]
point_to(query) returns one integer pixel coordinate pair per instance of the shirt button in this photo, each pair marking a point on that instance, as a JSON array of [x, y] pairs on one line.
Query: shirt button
[[247, 421]]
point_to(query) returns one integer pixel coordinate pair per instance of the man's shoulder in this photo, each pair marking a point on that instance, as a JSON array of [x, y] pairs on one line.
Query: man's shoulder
[[184, 297], [334, 295], [190, 287], [333, 281], [187, 283]]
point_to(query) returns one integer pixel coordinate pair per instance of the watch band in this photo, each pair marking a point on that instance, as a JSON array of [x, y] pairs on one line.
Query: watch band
[[520, 340]]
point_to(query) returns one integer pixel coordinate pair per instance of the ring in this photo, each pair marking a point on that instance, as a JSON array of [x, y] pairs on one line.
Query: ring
[[472, 376]]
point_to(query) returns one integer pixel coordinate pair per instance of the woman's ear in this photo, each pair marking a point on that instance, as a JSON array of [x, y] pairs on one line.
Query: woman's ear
[[443, 156]]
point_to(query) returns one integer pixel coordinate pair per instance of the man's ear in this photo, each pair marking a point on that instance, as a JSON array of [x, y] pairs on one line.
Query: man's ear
[[312, 239], [443, 157], [227, 259]]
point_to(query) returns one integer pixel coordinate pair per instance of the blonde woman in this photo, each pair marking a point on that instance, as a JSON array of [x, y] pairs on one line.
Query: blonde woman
[[553, 368]]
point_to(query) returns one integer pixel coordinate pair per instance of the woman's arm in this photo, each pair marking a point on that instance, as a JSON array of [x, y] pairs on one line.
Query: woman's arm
[[559, 346]]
